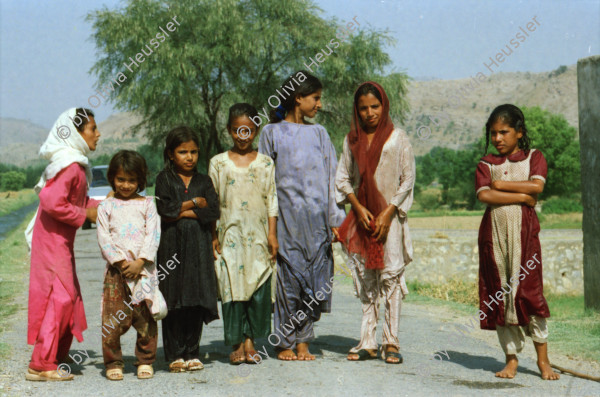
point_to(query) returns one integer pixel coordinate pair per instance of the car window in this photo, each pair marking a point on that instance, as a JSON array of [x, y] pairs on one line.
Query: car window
[[99, 177]]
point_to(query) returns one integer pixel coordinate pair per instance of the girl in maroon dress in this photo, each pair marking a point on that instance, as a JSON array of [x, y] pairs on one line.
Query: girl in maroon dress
[[511, 298]]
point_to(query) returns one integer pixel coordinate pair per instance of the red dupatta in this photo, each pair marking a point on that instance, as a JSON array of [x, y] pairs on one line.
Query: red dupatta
[[352, 235]]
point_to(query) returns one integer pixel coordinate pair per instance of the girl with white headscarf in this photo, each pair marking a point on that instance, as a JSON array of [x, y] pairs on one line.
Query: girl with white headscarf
[[56, 311]]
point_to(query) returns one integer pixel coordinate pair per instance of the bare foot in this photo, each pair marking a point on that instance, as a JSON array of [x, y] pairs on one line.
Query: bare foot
[[237, 356], [251, 353], [543, 362], [303, 353], [510, 370], [287, 355], [546, 370]]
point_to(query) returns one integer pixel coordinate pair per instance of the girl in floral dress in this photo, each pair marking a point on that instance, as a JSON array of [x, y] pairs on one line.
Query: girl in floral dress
[[245, 241]]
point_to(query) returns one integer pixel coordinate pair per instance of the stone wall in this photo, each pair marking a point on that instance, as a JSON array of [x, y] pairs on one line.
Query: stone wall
[[445, 254]]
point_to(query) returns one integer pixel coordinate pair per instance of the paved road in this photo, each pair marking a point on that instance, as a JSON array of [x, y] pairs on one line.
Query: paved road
[[466, 369]]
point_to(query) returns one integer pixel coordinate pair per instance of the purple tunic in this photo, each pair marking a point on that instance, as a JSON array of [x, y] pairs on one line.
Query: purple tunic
[[305, 166]]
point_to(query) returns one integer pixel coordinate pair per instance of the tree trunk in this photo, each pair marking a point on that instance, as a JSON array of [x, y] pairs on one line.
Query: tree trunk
[[588, 87]]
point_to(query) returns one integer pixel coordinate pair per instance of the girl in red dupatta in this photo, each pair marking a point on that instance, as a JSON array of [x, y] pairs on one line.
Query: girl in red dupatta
[[379, 159]]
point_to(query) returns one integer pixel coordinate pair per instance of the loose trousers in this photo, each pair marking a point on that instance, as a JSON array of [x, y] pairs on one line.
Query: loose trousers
[[512, 337], [248, 319], [370, 285], [117, 318], [182, 330], [55, 337]]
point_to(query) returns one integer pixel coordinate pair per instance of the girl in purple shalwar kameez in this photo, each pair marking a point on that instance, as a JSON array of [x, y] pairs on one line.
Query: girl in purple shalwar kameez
[[305, 166]]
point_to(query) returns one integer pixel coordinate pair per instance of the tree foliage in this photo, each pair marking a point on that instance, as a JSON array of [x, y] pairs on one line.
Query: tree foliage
[[12, 180], [549, 133], [555, 138], [228, 51]]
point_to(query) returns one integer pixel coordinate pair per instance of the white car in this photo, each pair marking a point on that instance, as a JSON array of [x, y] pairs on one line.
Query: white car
[[100, 187]]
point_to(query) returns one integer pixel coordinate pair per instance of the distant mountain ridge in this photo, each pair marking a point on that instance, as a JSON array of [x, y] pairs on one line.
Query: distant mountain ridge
[[458, 126], [20, 140]]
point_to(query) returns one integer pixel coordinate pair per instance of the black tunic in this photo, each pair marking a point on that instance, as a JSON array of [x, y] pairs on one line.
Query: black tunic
[[193, 281]]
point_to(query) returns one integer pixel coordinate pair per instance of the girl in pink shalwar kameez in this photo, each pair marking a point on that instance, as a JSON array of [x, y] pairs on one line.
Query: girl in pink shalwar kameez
[[55, 310]]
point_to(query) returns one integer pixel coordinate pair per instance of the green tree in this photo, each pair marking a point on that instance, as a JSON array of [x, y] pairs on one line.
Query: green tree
[[154, 160], [227, 51], [12, 180], [555, 138]]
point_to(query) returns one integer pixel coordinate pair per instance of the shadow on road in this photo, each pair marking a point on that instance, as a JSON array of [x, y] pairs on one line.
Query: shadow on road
[[482, 362]]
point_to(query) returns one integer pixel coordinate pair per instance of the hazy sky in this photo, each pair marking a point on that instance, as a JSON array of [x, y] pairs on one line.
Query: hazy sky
[[46, 51]]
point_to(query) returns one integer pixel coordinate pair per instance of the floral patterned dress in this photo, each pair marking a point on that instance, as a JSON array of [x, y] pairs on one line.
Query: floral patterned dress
[[247, 198], [130, 230]]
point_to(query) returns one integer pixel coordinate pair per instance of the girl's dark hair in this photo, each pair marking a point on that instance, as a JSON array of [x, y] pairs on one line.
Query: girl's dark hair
[[131, 162], [513, 116], [303, 88], [176, 137], [241, 109], [366, 89], [83, 114]]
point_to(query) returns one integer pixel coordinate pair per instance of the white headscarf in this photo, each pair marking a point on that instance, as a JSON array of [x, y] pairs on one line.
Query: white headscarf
[[63, 147]]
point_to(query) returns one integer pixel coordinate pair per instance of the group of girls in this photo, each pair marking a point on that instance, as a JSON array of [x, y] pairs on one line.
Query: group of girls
[[258, 230]]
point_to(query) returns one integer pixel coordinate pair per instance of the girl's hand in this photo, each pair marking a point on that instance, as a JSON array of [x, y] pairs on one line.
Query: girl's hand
[[216, 247], [383, 222], [497, 185], [91, 214], [187, 214], [132, 269], [364, 216], [530, 200], [273, 245], [119, 266], [201, 202], [336, 234]]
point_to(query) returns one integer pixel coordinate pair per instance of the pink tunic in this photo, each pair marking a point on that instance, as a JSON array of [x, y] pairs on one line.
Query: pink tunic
[[62, 211]]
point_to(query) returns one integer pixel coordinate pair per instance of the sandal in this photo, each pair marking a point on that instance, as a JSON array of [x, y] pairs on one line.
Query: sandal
[[363, 355], [393, 355], [250, 357], [194, 365], [178, 366], [145, 371], [237, 358], [114, 374], [43, 376]]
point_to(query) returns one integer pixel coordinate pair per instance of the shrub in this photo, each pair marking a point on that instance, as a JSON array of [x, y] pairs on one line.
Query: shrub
[[429, 200], [455, 198], [559, 205], [12, 180]]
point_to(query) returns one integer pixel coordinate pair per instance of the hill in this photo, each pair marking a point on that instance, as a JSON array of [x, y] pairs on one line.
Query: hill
[[457, 125], [20, 140], [463, 124]]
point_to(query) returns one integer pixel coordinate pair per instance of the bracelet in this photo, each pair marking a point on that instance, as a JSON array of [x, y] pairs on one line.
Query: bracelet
[[195, 202]]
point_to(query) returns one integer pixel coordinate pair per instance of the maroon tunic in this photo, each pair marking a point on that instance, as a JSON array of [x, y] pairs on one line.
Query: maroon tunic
[[510, 255]]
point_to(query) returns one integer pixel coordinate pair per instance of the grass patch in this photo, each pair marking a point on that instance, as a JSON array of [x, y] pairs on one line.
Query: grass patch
[[14, 265], [470, 220], [428, 214], [574, 331], [455, 290], [561, 221], [12, 201]]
